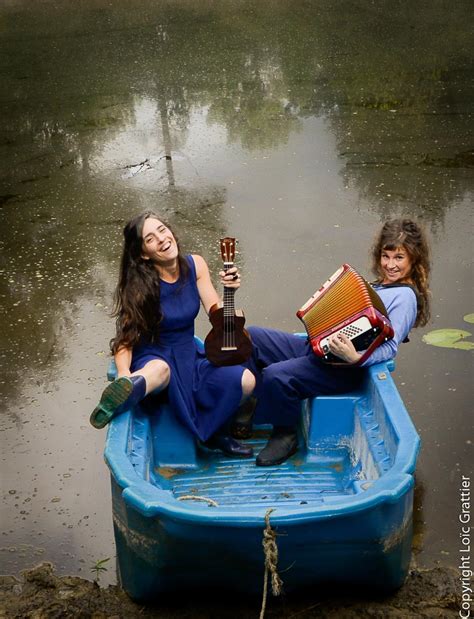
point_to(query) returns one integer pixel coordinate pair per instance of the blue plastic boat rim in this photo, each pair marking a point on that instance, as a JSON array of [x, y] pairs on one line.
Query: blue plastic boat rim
[[152, 501]]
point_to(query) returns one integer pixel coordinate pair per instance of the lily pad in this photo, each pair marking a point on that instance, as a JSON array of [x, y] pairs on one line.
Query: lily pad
[[469, 318], [449, 338]]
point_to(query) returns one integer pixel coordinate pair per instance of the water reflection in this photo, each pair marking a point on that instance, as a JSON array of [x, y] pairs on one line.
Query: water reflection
[[295, 126], [396, 100], [419, 524]]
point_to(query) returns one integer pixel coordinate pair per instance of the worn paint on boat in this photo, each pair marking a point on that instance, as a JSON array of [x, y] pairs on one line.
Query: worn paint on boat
[[342, 505]]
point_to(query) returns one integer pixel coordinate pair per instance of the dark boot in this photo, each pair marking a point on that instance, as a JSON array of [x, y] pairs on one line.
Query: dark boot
[[241, 426], [228, 446], [282, 444], [117, 397]]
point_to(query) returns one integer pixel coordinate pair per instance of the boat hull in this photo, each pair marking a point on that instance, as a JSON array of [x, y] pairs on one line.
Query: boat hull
[[158, 555], [341, 507]]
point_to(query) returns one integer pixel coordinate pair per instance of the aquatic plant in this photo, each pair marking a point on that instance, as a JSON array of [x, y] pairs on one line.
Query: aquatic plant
[[99, 567], [451, 338]]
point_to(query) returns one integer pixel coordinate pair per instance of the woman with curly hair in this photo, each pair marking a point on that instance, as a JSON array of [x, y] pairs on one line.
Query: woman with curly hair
[[287, 370]]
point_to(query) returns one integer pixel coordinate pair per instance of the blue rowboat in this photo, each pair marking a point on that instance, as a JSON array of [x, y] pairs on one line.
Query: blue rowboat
[[341, 506]]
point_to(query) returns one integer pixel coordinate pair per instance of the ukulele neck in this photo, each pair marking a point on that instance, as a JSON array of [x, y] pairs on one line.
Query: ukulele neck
[[228, 296]]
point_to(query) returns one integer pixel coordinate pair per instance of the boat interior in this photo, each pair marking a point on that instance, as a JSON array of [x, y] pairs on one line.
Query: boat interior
[[346, 443]]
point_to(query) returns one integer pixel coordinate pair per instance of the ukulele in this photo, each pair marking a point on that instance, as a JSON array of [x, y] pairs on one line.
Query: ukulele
[[228, 343]]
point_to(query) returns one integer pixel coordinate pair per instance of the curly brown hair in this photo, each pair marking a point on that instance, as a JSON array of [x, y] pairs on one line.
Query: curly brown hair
[[137, 296], [409, 235]]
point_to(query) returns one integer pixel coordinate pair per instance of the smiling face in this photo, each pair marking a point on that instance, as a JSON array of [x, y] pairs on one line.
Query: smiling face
[[159, 244], [395, 265]]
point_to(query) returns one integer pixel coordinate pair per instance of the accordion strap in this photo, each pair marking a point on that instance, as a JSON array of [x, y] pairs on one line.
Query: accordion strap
[[395, 285], [414, 288]]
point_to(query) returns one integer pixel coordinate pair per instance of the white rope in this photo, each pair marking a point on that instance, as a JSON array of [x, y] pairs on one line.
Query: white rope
[[192, 497]]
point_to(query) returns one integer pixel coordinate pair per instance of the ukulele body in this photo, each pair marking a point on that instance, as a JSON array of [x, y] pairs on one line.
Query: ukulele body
[[223, 333]]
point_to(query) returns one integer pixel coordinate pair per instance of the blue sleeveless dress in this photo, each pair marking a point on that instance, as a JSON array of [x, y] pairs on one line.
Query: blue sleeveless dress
[[202, 395]]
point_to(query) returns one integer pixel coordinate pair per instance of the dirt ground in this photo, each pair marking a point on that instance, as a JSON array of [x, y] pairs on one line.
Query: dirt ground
[[40, 594]]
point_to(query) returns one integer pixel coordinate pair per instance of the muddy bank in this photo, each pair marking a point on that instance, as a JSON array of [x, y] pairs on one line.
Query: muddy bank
[[40, 594]]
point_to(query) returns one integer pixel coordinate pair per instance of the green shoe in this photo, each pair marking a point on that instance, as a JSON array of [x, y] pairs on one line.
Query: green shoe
[[113, 396]]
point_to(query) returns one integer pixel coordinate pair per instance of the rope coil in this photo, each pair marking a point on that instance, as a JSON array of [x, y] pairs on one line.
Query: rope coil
[[193, 497], [270, 550]]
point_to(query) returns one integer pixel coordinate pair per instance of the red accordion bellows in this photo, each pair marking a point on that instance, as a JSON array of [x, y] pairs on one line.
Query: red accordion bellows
[[345, 303]]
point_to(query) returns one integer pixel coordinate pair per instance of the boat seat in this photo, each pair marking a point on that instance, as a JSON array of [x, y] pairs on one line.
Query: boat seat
[[179, 450], [327, 420]]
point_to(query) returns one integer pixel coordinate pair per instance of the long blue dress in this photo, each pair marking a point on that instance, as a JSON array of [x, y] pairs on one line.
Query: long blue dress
[[203, 396]]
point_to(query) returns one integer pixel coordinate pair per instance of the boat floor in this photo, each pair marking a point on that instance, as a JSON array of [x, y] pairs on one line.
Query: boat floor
[[237, 481]]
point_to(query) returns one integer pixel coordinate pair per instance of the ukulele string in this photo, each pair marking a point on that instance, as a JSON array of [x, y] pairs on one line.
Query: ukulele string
[[229, 335], [226, 319], [225, 314], [231, 318]]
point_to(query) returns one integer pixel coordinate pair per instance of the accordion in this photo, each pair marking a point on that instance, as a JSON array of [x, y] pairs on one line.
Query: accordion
[[346, 304]]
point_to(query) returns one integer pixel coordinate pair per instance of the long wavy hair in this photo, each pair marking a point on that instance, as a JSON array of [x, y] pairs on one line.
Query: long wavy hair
[[409, 235], [137, 297]]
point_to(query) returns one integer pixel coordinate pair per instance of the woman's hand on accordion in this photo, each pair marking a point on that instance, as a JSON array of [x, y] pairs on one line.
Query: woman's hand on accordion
[[341, 346]]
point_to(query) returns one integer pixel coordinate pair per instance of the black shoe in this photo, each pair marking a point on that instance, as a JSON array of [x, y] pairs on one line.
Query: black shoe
[[241, 426], [228, 446], [282, 444]]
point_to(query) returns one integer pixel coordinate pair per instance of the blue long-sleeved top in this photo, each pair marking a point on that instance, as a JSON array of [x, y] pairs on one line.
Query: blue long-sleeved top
[[401, 305]]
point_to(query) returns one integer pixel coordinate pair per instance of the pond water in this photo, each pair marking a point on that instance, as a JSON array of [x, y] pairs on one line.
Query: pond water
[[296, 127]]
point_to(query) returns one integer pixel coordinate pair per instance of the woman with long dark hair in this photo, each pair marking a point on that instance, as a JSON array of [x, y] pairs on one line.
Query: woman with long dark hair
[[157, 299]]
